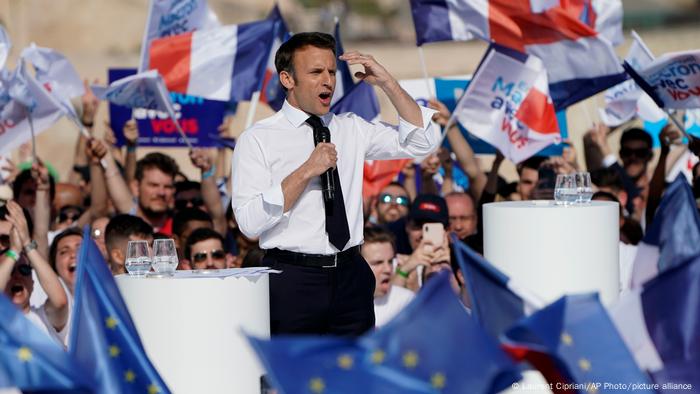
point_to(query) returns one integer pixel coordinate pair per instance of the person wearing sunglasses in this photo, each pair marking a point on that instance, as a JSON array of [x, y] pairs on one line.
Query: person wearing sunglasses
[[392, 203], [18, 257], [204, 249]]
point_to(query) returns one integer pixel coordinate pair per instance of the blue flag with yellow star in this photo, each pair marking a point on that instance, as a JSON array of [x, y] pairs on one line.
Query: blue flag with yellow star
[[317, 365], [585, 350], [434, 339], [103, 337], [30, 360]]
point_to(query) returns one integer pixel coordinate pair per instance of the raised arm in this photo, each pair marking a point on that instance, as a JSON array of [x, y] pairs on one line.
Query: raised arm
[[658, 179], [375, 74], [116, 186], [210, 193], [131, 134], [42, 208]]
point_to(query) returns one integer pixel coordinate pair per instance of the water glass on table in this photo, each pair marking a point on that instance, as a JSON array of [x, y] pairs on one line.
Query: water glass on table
[[565, 192], [164, 256], [138, 258], [584, 188]]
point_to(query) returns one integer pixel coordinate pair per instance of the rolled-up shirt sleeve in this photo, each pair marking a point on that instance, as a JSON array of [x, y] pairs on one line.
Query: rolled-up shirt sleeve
[[385, 141], [257, 201]]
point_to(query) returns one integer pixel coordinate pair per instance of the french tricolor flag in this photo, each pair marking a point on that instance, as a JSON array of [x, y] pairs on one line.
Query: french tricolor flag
[[507, 104], [672, 237], [660, 325], [224, 63], [580, 62]]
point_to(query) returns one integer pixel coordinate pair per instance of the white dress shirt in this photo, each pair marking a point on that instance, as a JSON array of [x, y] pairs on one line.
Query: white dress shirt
[[274, 147]]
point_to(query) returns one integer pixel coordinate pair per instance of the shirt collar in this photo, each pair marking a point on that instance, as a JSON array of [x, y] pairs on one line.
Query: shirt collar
[[297, 117]]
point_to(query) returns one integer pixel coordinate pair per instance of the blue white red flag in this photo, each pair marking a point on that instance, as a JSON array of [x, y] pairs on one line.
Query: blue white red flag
[[225, 63], [507, 104], [271, 91], [173, 17], [580, 61]]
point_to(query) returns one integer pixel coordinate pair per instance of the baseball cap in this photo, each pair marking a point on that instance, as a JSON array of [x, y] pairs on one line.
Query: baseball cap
[[429, 208]]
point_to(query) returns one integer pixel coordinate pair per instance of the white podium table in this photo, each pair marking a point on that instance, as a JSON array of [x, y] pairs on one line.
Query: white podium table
[[191, 329], [555, 250]]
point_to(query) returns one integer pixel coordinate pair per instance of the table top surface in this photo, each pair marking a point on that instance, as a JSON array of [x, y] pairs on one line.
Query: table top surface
[[547, 204]]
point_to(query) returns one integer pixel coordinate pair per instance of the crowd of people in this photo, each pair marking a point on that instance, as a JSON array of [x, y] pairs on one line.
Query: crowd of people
[[123, 198]]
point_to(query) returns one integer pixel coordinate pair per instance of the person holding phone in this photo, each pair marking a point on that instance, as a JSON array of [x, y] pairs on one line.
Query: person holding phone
[[425, 228]]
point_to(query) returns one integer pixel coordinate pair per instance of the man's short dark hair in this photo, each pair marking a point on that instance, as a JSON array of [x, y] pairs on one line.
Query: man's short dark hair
[[184, 186], [199, 235], [162, 162], [532, 163], [121, 227], [25, 176], [184, 216], [284, 58], [379, 235], [30, 224], [636, 134], [607, 177], [53, 250]]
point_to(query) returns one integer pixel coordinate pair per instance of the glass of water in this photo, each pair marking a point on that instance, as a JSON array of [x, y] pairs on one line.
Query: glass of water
[[164, 256], [565, 192], [138, 258], [584, 187]]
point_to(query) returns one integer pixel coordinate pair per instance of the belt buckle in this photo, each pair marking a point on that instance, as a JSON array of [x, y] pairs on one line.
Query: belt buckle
[[335, 262]]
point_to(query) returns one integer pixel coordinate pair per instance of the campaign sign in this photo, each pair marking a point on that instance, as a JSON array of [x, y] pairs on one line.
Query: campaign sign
[[198, 118], [449, 91], [675, 79]]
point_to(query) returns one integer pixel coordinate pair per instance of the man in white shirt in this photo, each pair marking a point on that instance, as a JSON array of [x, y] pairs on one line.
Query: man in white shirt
[[378, 251], [326, 287]]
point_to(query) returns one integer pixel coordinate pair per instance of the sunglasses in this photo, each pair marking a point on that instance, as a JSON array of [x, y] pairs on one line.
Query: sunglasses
[[388, 199], [23, 269], [201, 257], [182, 204], [640, 153]]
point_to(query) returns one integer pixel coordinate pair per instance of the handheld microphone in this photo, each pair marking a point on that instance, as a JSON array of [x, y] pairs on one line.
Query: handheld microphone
[[327, 182]]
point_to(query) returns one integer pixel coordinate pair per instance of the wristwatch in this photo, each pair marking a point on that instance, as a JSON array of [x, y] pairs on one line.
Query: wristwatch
[[29, 247]]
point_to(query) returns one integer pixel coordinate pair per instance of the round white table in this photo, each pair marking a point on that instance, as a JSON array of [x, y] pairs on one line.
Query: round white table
[[191, 329], [555, 250]]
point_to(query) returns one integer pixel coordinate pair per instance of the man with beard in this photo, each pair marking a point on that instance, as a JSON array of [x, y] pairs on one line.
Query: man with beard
[[18, 257], [152, 190], [392, 203]]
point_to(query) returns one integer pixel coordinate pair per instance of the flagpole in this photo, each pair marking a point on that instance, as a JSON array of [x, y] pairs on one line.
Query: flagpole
[[31, 129], [251, 110], [677, 123], [425, 71]]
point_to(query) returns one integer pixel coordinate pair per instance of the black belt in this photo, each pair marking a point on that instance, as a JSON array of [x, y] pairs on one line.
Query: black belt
[[313, 260]]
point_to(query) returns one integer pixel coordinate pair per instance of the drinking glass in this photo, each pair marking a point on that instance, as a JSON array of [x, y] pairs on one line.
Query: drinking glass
[[565, 189], [584, 189], [138, 258], [164, 256]]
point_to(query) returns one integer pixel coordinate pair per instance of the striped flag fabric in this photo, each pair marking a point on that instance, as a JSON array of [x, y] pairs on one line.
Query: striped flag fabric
[[660, 325], [142, 90], [271, 91], [580, 61], [507, 104], [172, 17], [224, 63], [672, 237]]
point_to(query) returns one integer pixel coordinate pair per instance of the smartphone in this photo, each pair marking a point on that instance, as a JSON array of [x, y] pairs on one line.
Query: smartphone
[[434, 233]]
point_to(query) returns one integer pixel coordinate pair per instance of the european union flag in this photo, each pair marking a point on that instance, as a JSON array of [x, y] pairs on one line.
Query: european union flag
[[673, 237], [319, 365], [271, 91], [30, 360], [432, 346], [435, 340], [103, 337], [583, 345], [495, 304], [670, 303]]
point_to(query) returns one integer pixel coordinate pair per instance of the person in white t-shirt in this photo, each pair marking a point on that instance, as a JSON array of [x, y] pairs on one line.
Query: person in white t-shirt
[[378, 251], [16, 273]]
